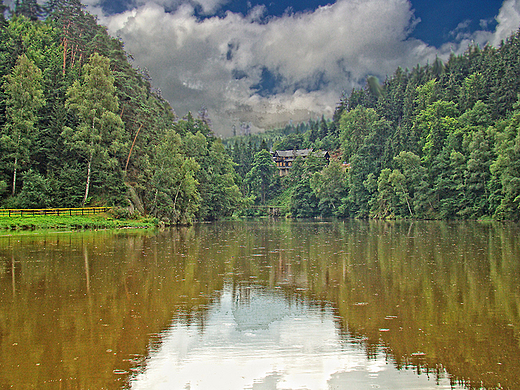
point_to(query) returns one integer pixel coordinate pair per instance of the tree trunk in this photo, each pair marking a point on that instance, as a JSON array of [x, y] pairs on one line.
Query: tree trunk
[[87, 187], [64, 55], [133, 143], [406, 198], [14, 174]]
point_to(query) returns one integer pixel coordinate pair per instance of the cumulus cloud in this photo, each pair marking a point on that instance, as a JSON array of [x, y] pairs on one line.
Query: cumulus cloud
[[268, 70], [508, 21]]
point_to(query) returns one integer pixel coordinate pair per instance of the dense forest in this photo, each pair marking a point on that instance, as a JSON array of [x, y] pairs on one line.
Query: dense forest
[[440, 141], [79, 125]]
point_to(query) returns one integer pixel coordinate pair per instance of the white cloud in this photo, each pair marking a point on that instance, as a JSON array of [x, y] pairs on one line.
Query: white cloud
[[314, 56], [508, 21]]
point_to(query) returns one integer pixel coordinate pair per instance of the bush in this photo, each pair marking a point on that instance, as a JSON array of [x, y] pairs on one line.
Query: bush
[[123, 213], [35, 193]]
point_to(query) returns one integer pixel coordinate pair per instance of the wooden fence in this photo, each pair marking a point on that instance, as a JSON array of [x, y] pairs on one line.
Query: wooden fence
[[60, 211]]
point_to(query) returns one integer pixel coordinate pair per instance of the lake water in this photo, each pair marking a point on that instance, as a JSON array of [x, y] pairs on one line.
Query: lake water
[[263, 305]]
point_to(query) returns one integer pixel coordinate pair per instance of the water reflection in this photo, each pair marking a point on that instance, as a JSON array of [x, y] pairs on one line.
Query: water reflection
[[395, 305], [255, 338]]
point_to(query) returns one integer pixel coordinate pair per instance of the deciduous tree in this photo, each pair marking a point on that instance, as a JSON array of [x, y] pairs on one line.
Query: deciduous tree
[[25, 98], [97, 138]]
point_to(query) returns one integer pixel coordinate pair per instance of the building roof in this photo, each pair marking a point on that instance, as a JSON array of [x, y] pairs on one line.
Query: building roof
[[293, 153], [288, 154]]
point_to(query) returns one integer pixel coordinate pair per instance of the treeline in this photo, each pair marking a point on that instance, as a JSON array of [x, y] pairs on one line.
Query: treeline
[[79, 125], [440, 141]]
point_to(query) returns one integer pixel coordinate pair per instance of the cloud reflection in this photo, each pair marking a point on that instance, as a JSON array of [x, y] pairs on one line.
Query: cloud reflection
[[255, 338]]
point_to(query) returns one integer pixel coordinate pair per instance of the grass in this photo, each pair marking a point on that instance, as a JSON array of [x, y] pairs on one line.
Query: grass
[[97, 221]]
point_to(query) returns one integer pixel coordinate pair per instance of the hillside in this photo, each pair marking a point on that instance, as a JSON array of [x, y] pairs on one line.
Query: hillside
[[80, 126], [439, 141]]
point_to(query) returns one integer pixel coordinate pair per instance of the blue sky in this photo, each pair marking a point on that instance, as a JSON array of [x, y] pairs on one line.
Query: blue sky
[[268, 62]]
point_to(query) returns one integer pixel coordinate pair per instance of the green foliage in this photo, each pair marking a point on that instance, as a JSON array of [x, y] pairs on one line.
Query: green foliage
[[82, 126], [36, 192], [173, 192], [222, 197], [304, 202], [98, 136], [291, 142], [329, 185], [263, 180], [25, 97], [506, 168], [440, 141]]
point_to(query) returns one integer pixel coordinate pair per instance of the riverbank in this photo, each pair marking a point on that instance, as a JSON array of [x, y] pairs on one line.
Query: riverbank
[[97, 221]]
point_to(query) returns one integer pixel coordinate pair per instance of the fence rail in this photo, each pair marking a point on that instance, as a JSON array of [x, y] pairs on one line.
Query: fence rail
[[60, 211]]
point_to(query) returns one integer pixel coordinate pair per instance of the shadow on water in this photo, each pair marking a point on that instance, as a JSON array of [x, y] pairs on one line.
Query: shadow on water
[[92, 309]]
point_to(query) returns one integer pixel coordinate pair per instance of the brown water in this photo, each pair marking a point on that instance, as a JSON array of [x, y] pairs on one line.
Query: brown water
[[263, 305]]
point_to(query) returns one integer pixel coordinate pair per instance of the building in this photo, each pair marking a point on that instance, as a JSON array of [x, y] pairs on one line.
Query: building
[[284, 158]]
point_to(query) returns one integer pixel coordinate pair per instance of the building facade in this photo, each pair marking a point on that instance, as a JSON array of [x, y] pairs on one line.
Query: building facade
[[284, 159]]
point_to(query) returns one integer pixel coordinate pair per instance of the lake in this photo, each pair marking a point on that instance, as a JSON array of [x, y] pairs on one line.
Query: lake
[[263, 305]]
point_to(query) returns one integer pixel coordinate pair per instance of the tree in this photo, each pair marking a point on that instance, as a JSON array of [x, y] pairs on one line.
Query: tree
[[391, 195], [432, 125], [97, 138], [36, 191], [3, 8], [506, 168], [220, 194], [330, 187], [173, 187], [303, 202], [414, 188], [28, 8], [355, 125], [477, 145], [262, 174], [77, 29], [25, 97], [291, 142]]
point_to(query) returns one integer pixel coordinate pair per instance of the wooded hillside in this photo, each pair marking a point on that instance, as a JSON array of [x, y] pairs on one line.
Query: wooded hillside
[[79, 125], [437, 141]]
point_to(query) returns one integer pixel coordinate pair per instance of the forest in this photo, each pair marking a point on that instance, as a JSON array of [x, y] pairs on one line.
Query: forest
[[440, 141], [79, 125]]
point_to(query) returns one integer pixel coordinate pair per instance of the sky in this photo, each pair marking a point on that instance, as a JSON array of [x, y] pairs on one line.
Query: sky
[[267, 63]]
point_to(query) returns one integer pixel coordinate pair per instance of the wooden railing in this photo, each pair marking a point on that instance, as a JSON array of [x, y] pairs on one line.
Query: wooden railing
[[60, 211]]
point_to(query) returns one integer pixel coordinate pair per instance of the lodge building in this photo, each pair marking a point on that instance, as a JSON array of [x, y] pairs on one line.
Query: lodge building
[[284, 158]]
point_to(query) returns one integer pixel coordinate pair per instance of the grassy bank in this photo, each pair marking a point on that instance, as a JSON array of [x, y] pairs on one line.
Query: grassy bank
[[97, 221]]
